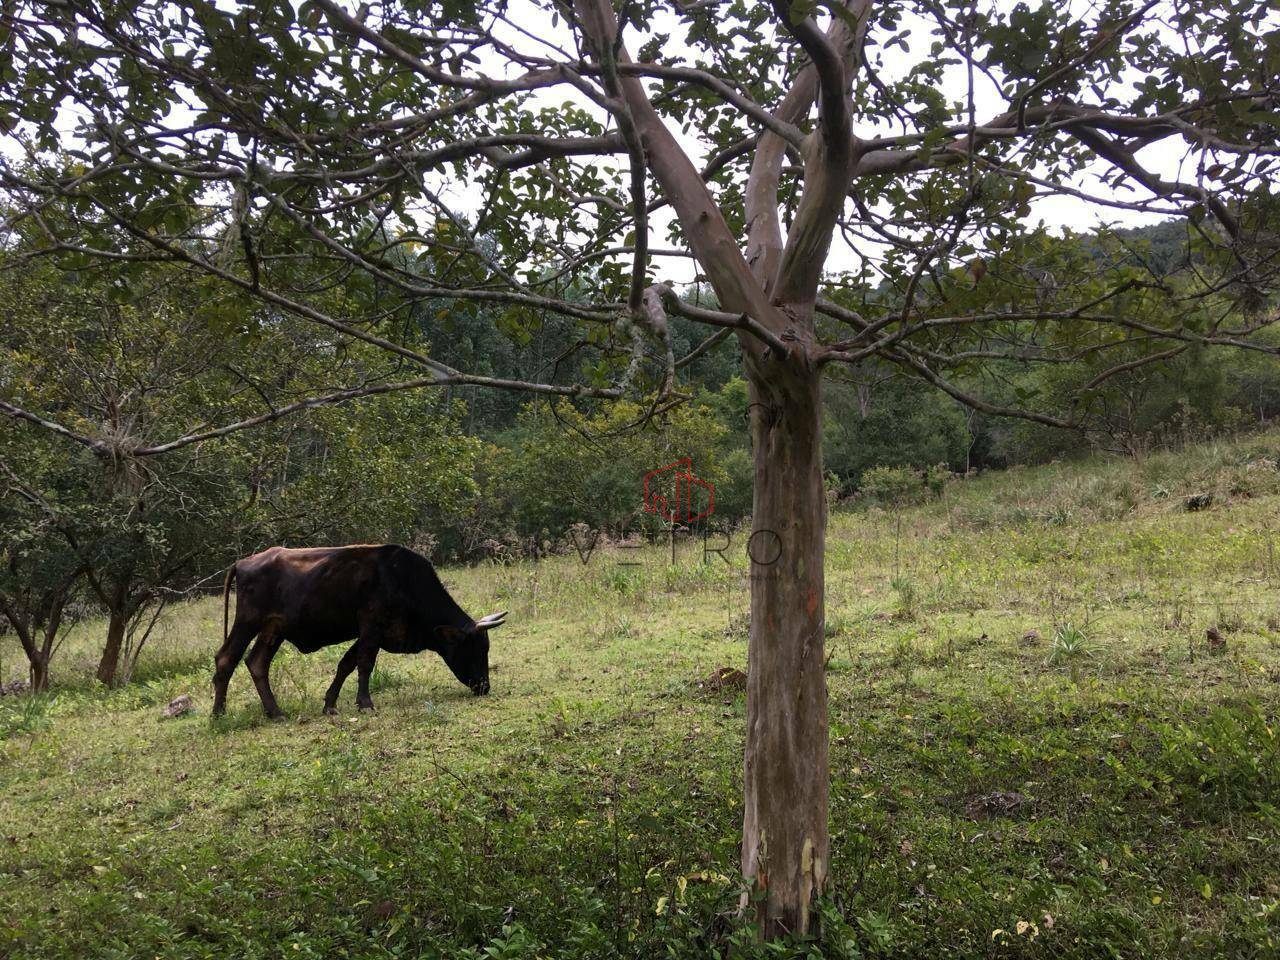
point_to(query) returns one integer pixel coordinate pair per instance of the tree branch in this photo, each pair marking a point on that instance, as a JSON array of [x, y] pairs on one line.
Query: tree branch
[[828, 158], [830, 65], [700, 216]]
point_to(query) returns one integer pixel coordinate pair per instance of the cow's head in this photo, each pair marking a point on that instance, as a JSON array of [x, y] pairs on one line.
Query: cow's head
[[467, 651]]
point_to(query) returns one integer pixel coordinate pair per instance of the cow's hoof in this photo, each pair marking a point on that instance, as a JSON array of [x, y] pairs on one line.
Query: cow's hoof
[[276, 717], [330, 711], [362, 707]]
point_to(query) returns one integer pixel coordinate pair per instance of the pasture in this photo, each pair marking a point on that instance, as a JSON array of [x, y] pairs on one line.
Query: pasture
[[1035, 752]]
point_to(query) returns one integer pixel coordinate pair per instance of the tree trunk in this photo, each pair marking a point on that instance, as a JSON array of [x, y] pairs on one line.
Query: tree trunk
[[117, 623], [39, 665], [785, 837]]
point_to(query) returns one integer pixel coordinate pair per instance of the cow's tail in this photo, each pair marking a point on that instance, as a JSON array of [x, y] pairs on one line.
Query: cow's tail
[[226, 600]]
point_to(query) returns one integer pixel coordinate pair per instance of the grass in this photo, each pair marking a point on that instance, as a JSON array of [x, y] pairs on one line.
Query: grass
[[1034, 753]]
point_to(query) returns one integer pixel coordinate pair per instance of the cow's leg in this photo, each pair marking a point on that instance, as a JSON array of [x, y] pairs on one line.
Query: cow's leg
[[226, 661], [259, 664], [366, 656], [345, 666]]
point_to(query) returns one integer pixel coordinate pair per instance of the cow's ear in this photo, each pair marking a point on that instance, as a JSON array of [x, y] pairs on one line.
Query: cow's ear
[[449, 635]]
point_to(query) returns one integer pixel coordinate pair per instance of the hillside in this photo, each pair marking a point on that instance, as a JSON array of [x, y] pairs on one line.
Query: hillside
[[1036, 752]]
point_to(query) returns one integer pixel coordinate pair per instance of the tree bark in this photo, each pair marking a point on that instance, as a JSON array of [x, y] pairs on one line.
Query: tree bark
[[785, 847], [39, 672], [109, 662]]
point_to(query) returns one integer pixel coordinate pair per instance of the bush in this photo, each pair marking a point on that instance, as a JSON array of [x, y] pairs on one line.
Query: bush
[[560, 466], [936, 477], [900, 424], [903, 485]]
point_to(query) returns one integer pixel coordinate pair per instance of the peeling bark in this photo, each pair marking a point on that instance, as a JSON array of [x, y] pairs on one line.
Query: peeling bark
[[785, 846]]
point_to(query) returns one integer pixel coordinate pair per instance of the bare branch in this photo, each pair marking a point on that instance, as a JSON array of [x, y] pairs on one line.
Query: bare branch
[[1133, 365], [905, 358], [103, 449], [20, 414], [737, 321], [710, 343], [1124, 159], [344, 396]]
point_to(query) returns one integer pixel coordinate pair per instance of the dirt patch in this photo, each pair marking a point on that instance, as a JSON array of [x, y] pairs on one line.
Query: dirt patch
[[723, 679], [998, 803]]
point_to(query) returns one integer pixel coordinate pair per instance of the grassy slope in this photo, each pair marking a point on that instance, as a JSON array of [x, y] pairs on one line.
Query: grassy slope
[[590, 807]]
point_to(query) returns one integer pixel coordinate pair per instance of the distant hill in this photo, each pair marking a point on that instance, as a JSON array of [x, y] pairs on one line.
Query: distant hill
[[1162, 247]]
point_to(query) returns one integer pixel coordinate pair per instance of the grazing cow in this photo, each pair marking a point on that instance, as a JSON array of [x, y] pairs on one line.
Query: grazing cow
[[385, 597]]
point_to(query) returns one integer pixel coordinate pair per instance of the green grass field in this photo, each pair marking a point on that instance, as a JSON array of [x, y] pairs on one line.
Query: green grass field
[[1035, 753]]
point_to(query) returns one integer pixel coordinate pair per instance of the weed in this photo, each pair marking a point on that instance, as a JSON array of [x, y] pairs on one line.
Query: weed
[[23, 713], [1072, 647], [904, 586]]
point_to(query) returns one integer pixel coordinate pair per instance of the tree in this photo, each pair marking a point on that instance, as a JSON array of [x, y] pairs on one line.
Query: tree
[[133, 534], [38, 574], [265, 145], [560, 467]]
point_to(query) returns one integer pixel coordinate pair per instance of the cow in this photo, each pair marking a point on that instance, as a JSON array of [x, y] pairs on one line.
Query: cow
[[382, 596]]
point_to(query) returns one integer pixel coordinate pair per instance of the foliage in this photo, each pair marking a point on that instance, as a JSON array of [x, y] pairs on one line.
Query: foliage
[[888, 423], [138, 533], [899, 486], [1198, 395], [309, 160], [558, 467], [39, 569]]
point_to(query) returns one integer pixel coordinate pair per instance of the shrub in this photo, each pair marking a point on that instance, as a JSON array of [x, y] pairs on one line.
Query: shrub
[[559, 467], [936, 477], [903, 485], [896, 423], [892, 485], [1072, 647]]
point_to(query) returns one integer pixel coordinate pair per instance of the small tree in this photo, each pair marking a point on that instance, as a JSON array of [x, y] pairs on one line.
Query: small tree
[[39, 571], [245, 140]]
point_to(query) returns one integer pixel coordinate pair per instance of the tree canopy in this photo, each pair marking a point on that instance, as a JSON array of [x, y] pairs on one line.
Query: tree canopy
[[437, 156]]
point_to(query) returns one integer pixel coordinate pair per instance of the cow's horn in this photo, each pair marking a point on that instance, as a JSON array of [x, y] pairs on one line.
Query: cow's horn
[[489, 621]]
